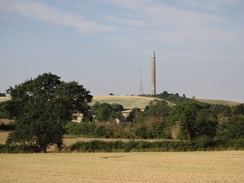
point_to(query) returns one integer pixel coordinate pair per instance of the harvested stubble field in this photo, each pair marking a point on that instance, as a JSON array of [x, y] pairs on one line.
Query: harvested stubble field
[[224, 166]]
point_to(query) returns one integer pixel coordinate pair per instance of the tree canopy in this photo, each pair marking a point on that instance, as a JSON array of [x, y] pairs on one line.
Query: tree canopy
[[104, 111], [42, 106], [194, 119]]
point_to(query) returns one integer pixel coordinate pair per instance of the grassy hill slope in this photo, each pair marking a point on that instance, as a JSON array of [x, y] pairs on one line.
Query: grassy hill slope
[[129, 102], [2, 99], [222, 102]]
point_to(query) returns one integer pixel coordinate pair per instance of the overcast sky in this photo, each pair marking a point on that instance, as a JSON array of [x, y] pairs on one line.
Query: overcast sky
[[103, 44]]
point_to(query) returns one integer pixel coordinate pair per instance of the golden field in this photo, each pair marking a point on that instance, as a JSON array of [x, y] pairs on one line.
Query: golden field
[[224, 166], [128, 102]]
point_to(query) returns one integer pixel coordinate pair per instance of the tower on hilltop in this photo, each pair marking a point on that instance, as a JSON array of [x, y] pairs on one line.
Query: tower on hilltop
[[153, 83]]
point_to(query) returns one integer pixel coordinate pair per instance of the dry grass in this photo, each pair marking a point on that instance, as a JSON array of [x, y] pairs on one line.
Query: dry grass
[[225, 166], [129, 102], [2, 99]]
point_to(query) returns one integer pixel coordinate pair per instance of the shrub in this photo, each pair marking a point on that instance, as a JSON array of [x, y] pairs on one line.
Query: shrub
[[18, 149]]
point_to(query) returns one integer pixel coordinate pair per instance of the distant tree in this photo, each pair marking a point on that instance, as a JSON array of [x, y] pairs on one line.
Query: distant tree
[[157, 108], [2, 94], [104, 111], [117, 107], [175, 98], [87, 117], [233, 128], [41, 108], [134, 114], [95, 106], [219, 109], [238, 109]]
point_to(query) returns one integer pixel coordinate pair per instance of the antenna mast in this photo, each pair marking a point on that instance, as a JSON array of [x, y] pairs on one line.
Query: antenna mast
[[141, 92]]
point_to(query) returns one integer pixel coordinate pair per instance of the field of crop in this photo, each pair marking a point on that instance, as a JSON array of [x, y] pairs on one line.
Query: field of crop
[[129, 102], [224, 166]]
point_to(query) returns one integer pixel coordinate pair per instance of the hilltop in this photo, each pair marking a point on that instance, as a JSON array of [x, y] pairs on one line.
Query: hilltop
[[128, 102], [222, 102]]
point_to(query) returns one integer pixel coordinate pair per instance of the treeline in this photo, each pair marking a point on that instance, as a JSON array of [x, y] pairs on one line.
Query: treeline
[[2, 94], [192, 121], [174, 98], [136, 146]]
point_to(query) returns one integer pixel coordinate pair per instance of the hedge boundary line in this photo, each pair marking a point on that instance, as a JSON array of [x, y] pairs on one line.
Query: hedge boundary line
[[135, 146]]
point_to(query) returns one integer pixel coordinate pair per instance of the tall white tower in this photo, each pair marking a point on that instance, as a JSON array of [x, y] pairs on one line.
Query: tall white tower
[[153, 90]]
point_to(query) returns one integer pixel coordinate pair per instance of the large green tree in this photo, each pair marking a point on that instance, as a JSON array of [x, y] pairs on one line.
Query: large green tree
[[196, 120], [41, 108]]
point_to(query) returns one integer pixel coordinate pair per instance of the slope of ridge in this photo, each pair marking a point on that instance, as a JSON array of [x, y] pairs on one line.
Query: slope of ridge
[[128, 102], [222, 102], [3, 99]]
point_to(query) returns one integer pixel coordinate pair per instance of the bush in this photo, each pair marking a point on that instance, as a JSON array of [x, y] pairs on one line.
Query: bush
[[8, 127], [18, 149], [204, 142], [158, 146], [83, 128]]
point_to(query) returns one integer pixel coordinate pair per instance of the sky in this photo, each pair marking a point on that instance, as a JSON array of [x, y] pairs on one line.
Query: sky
[[106, 45]]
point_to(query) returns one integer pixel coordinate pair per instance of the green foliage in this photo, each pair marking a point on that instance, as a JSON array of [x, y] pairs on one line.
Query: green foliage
[[134, 115], [81, 129], [141, 132], [222, 110], [233, 128], [42, 106], [105, 112], [117, 107], [2, 94], [175, 98], [8, 127], [203, 143], [194, 119], [18, 149], [238, 109], [157, 108], [117, 146], [3, 112]]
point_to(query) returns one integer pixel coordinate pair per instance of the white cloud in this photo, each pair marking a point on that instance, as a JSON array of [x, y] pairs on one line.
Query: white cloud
[[173, 23], [36, 10]]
